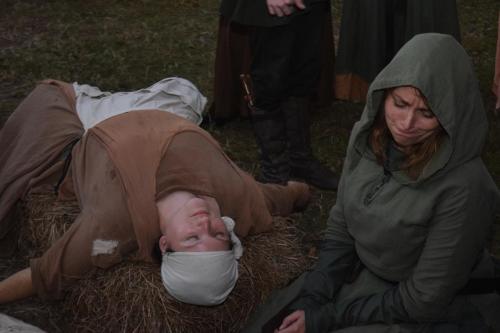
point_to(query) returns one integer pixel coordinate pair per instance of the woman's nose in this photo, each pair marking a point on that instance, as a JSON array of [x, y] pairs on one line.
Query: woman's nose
[[407, 120]]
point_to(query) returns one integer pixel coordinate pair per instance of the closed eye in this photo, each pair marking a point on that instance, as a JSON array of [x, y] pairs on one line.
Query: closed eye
[[427, 113], [221, 236], [398, 102]]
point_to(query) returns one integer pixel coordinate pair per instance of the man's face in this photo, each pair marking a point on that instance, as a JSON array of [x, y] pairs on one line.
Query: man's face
[[196, 226]]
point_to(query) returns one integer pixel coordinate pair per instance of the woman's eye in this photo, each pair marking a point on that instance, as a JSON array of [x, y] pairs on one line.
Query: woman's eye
[[428, 114], [398, 103]]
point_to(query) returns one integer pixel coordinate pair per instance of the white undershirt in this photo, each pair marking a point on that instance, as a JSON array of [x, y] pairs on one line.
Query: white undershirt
[[173, 94]]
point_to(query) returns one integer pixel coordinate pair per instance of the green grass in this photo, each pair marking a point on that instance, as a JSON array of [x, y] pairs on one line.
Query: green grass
[[116, 45]]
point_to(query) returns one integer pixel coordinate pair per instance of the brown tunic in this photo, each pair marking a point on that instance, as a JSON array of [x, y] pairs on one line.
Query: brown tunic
[[119, 169]]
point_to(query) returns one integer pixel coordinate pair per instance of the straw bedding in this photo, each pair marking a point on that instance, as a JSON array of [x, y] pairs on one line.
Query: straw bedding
[[130, 297]]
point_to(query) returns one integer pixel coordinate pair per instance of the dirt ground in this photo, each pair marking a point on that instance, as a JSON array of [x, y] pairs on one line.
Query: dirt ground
[[125, 45]]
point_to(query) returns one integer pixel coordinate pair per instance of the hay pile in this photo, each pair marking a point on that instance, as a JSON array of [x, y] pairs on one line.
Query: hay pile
[[130, 297]]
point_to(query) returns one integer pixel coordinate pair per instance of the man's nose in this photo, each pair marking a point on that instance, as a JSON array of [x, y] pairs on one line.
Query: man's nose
[[211, 229], [212, 226], [206, 223], [203, 222]]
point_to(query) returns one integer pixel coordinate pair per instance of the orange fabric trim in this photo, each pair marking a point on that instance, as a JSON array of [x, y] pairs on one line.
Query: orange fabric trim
[[350, 87]]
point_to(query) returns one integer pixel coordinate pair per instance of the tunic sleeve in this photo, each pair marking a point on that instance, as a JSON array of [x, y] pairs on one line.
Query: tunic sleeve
[[101, 235], [336, 261]]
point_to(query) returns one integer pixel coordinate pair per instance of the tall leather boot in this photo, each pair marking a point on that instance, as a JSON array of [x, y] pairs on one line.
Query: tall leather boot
[[270, 134], [303, 164]]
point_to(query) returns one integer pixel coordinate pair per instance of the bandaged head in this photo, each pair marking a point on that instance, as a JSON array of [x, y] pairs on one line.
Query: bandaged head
[[203, 278]]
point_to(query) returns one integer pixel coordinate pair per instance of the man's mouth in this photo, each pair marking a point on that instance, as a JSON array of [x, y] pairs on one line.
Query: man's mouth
[[200, 212]]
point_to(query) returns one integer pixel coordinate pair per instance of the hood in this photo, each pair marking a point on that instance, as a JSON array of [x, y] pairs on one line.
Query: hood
[[440, 68]]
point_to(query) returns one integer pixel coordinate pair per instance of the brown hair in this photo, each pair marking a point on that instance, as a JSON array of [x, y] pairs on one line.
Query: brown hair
[[417, 156]]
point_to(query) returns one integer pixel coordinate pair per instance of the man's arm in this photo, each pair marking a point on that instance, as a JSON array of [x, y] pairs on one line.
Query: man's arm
[[16, 286]]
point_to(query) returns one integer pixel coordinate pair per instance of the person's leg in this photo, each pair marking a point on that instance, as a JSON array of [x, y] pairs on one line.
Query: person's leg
[[270, 69], [33, 141], [16, 286], [284, 200], [232, 58], [304, 79]]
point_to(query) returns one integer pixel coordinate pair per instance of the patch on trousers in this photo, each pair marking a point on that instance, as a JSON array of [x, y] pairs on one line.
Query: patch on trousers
[[102, 246]]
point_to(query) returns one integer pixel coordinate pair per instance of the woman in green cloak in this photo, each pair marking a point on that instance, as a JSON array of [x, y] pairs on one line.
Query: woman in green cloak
[[405, 246]]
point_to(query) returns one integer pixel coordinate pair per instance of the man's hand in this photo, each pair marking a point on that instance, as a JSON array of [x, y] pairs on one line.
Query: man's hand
[[284, 7], [293, 323]]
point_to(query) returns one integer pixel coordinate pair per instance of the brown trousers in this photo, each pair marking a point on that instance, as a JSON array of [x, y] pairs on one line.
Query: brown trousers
[[32, 144]]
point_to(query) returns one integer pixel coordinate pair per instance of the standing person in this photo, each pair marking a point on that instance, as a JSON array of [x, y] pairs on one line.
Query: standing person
[[144, 179], [285, 68], [405, 246], [496, 79], [233, 59], [371, 33]]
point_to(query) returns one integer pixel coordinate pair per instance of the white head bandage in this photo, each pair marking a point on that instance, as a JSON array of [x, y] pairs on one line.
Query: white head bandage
[[202, 278]]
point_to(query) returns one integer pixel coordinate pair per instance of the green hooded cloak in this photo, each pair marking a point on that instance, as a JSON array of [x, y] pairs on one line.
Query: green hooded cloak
[[398, 251]]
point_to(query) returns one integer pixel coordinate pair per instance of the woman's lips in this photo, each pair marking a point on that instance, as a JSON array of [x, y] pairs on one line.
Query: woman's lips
[[405, 134]]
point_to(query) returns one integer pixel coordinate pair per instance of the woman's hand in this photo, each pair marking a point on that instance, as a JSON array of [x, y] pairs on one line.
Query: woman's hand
[[293, 323], [282, 8]]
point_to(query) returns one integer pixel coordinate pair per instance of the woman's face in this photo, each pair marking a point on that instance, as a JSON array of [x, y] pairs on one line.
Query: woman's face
[[195, 226], [408, 118]]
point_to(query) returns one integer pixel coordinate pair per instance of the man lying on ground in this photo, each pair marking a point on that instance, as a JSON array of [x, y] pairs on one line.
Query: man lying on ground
[[143, 179]]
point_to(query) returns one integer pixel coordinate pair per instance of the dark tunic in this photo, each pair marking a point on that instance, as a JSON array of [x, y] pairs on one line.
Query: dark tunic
[[371, 33], [234, 57], [255, 12]]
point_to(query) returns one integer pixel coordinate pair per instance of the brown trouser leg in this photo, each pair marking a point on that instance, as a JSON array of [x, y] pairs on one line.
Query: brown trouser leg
[[31, 143]]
